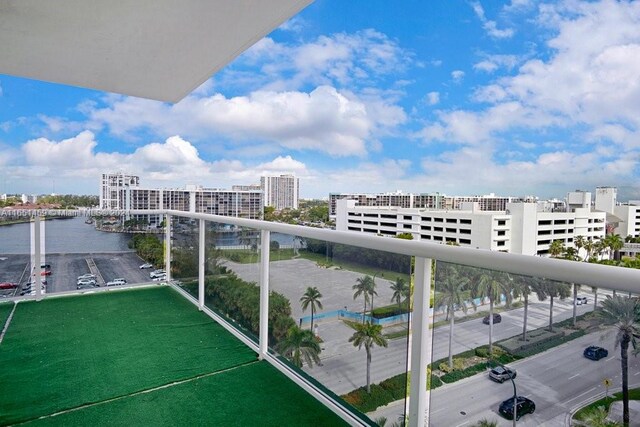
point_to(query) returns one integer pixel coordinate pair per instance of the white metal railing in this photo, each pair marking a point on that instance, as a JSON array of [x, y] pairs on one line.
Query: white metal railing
[[420, 343]]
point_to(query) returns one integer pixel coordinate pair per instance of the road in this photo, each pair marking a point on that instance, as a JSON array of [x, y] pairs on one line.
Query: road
[[558, 381]]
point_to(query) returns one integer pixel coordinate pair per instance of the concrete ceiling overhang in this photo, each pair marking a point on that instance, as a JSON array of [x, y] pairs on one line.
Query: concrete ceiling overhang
[[157, 49]]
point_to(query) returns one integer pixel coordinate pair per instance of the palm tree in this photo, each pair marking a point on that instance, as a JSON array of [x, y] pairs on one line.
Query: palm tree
[[554, 290], [625, 312], [490, 284], [300, 346], [556, 248], [525, 285], [362, 287], [400, 291], [452, 292], [579, 242], [367, 335], [311, 297], [614, 242], [485, 423]]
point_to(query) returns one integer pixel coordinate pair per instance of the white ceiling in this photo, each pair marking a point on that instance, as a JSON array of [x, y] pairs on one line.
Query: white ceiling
[[158, 49]]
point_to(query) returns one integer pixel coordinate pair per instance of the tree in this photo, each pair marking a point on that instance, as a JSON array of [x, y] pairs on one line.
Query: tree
[[485, 423], [554, 290], [625, 312], [400, 291], [452, 292], [367, 335], [525, 285], [363, 286], [300, 346], [556, 248], [614, 242], [489, 284], [311, 297]]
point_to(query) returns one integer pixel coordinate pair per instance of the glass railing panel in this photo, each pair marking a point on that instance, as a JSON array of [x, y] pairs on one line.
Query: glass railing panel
[[82, 253], [14, 255], [232, 256], [490, 323], [328, 303]]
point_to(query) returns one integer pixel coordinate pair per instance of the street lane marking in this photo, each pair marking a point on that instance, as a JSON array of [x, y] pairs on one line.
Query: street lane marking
[[466, 422], [582, 394], [611, 358], [637, 373], [573, 376]]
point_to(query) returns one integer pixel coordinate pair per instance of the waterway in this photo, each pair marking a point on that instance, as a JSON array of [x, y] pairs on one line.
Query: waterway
[[62, 236], [74, 236]]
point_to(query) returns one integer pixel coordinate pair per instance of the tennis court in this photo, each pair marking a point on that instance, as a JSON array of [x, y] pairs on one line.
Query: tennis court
[[139, 357]]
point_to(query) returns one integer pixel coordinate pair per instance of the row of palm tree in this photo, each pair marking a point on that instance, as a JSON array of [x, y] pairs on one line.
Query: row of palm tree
[[458, 286]]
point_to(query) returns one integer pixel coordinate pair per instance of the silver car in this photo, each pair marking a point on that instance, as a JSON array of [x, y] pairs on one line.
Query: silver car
[[502, 374]]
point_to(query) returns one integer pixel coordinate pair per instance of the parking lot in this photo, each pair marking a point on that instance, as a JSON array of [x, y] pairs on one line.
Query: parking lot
[[65, 269]]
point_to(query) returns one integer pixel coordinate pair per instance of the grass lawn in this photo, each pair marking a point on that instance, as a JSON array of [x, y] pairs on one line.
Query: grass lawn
[[65, 353], [634, 394]]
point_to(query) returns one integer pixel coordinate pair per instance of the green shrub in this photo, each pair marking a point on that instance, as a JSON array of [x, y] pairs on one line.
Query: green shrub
[[458, 364], [444, 367], [482, 352], [387, 391]]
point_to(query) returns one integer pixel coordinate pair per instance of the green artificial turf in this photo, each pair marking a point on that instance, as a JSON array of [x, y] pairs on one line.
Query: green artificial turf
[[251, 395], [62, 353]]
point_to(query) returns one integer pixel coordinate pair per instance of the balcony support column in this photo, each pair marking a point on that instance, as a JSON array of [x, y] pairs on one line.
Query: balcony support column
[[36, 271], [265, 240], [421, 344], [167, 245], [201, 263]]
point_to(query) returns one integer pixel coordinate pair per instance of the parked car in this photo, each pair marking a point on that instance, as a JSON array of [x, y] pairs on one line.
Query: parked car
[[524, 406], [157, 273], [8, 285], [496, 319], [117, 282], [502, 373], [86, 286], [146, 265], [581, 300], [86, 282], [160, 277], [594, 352], [87, 276]]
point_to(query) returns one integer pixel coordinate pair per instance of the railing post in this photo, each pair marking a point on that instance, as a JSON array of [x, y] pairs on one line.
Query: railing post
[[421, 345], [201, 263], [36, 271], [265, 240], [167, 245]]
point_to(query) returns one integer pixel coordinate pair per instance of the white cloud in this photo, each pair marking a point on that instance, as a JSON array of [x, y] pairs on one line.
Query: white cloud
[[342, 60], [433, 98], [493, 62], [491, 27], [172, 163], [457, 75], [324, 120]]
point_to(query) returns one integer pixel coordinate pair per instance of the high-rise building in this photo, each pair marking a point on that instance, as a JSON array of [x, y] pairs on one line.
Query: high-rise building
[[111, 186], [281, 192]]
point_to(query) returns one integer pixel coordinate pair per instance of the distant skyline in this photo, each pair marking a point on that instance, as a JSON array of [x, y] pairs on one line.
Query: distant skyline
[[461, 97]]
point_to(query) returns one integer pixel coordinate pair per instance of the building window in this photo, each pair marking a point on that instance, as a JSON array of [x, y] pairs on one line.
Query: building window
[[452, 220], [437, 229], [465, 221], [438, 238], [451, 230], [502, 232], [407, 217], [501, 243], [438, 219], [465, 241], [502, 222]]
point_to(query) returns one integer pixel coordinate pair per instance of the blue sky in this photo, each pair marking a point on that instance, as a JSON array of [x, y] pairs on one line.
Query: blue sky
[[458, 97]]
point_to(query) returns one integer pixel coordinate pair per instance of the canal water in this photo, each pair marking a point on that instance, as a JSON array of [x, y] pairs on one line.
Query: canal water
[[73, 235], [62, 236]]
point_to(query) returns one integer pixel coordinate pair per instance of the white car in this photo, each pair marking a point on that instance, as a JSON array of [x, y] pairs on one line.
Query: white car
[[84, 283], [117, 282], [160, 278], [581, 300], [157, 273], [146, 265], [87, 276]]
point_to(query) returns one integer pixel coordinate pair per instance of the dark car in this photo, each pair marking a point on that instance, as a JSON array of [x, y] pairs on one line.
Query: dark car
[[496, 319], [595, 353], [8, 285], [525, 406], [502, 374]]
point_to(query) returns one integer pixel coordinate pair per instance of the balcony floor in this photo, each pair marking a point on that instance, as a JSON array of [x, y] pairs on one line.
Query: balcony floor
[[138, 357]]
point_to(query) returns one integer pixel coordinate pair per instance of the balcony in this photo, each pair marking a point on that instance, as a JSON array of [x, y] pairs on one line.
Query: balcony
[[160, 352]]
